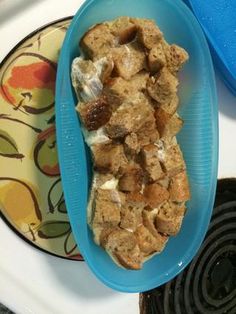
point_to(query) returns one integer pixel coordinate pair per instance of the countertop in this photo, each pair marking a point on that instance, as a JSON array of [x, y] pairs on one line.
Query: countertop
[[32, 281]]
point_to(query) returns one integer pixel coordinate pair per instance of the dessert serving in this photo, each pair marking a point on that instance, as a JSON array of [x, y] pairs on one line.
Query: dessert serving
[[126, 83]]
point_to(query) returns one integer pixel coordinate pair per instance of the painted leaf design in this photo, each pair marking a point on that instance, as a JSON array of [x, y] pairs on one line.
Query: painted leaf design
[[8, 147], [56, 198], [69, 244], [62, 207], [53, 229]]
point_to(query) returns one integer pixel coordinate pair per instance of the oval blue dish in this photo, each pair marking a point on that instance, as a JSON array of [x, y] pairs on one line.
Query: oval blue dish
[[198, 140]]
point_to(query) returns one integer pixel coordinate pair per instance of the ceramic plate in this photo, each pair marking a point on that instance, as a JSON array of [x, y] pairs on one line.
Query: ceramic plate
[[31, 197]]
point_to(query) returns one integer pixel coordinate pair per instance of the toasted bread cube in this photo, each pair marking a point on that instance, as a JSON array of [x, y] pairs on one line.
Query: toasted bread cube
[[95, 114], [108, 157], [131, 179], [104, 234], [131, 217], [132, 144], [169, 218], [97, 42], [173, 161], [175, 57], [123, 29], [136, 199], [139, 81], [107, 208], [132, 259], [148, 243], [163, 86], [151, 162], [128, 60], [117, 90], [148, 32], [156, 58], [149, 221], [122, 244], [168, 125], [179, 188], [155, 195], [129, 117], [171, 107], [148, 134]]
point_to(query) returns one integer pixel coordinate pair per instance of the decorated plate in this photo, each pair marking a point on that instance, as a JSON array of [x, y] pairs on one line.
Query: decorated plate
[[31, 197]]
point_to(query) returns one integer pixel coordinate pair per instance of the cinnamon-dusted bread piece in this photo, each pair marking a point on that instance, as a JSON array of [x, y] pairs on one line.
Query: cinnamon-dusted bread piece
[[123, 29], [108, 157], [169, 218], [122, 245], [129, 117], [162, 87], [151, 162], [148, 243], [148, 32], [168, 125], [175, 56], [156, 58], [173, 161], [97, 42], [128, 59], [95, 114], [179, 187], [155, 194], [131, 178], [107, 206]]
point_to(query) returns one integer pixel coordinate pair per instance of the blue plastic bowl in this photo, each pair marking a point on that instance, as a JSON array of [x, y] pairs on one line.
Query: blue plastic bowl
[[198, 139]]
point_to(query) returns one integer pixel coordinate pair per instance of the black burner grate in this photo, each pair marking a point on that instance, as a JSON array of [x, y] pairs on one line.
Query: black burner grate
[[208, 284]]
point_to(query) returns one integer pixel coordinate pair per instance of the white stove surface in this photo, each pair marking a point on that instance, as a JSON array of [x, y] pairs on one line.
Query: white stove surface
[[32, 281]]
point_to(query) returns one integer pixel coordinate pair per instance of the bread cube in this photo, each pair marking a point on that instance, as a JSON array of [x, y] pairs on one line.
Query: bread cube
[[122, 244], [155, 195], [162, 87], [148, 243], [169, 218], [107, 208], [108, 157], [168, 125], [156, 58], [151, 162], [129, 117], [97, 42], [173, 161], [123, 29], [148, 32], [131, 179], [179, 187], [128, 60]]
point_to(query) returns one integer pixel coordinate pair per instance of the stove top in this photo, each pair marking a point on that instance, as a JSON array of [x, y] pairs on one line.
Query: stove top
[[208, 284]]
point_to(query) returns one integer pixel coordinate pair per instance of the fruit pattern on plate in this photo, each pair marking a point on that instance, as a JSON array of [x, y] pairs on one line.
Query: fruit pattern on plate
[[31, 196]]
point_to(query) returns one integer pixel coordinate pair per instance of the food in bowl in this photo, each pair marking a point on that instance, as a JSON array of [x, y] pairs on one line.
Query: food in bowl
[[126, 83]]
